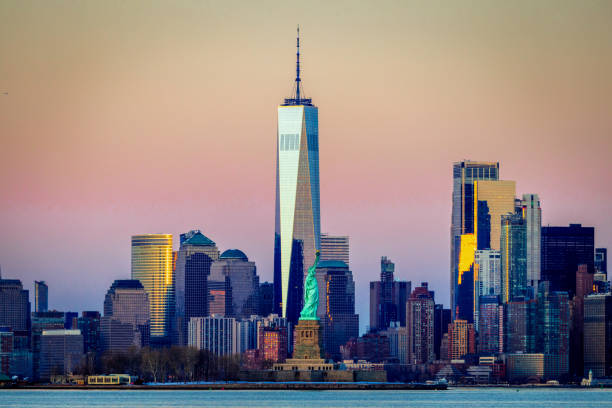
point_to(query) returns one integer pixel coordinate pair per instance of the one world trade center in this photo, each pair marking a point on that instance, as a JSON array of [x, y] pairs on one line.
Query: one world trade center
[[298, 219]]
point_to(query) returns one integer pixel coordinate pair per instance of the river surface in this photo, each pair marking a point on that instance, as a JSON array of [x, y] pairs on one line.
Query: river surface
[[452, 398]]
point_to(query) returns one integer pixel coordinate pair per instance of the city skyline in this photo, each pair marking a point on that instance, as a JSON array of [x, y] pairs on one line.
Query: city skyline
[[76, 210]]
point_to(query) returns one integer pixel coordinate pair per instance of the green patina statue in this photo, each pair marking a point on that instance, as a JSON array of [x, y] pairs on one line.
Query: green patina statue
[[311, 293]]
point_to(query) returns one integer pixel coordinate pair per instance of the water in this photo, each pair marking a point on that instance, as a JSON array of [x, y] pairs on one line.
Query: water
[[452, 398]]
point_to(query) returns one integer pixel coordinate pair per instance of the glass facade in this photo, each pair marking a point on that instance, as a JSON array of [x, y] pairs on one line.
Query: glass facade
[[152, 265], [194, 260], [462, 218], [487, 277], [298, 220], [532, 214], [494, 198], [563, 249], [41, 296], [513, 257]]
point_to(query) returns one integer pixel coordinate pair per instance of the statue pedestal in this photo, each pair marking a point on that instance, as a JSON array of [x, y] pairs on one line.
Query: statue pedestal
[[307, 349], [308, 343]]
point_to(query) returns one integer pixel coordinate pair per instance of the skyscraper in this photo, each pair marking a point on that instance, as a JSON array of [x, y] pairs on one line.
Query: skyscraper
[[492, 199], [217, 334], [298, 219], [520, 326], [598, 334], [490, 318], [487, 275], [532, 214], [563, 249], [41, 296], [241, 275], [442, 318], [513, 257], [336, 305], [335, 248], [601, 260], [420, 325], [61, 352], [152, 266], [388, 298], [461, 339], [553, 329], [194, 259], [126, 316], [462, 218]]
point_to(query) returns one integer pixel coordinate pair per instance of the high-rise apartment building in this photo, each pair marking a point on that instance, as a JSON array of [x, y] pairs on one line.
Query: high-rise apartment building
[[490, 326], [462, 218], [152, 265], [234, 267], [388, 298], [274, 343], [194, 260], [335, 248], [520, 326], [563, 249], [420, 325], [298, 219], [336, 309], [598, 335], [219, 335], [41, 296], [126, 321], [487, 277], [532, 216], [513, 257], [461, 339]]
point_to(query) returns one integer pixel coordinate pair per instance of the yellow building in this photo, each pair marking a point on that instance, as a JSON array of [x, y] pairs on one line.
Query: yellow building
[[496, 198], [152, 265]]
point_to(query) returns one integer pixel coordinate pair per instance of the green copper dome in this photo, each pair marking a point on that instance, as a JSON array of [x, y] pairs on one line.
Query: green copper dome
[[234, 254]]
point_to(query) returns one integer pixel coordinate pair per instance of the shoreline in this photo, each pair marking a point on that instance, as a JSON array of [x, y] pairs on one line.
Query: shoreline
[[240, 387]]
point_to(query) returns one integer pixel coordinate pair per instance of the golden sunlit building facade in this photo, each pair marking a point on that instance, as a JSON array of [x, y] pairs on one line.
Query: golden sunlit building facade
[[492, 199], [152, 265]]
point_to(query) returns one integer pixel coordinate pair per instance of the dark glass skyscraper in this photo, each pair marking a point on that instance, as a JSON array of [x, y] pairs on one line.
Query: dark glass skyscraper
[[298, 219], [598, 335], [41, 296], [513, 257], [193, 262], [388, 298], [462, 218], [336, 305], [563, 249]]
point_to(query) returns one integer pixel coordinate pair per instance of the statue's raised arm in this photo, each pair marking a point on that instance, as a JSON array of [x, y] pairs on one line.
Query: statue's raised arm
[[311, 293]]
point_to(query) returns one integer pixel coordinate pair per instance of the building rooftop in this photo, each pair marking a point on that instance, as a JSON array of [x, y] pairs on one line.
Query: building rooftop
[[127, 284], [234, 254], [199, 239], [332, 264]]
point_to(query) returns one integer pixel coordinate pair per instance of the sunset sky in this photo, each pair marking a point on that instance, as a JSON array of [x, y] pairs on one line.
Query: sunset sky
[[121, 117]]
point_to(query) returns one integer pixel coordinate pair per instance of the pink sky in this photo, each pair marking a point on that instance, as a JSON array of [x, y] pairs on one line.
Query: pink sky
[[125, 118]]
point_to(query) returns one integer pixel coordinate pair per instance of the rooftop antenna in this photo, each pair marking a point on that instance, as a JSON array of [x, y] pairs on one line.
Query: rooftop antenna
[[297, 96], [297, 67]]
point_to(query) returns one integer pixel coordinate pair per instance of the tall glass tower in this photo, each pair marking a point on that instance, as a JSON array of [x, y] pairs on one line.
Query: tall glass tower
[[152, 265], [462, 237], [298, 219]]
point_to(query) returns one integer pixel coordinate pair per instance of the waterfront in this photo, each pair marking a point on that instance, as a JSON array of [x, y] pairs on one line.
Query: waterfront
[[455, 397]]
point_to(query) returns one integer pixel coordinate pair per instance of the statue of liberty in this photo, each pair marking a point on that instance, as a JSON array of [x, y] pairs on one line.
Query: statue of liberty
[[311, 293]]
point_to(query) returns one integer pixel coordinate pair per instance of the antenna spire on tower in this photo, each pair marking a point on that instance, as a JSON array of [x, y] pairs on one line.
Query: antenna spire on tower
[[297, 67], [297, 97]]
